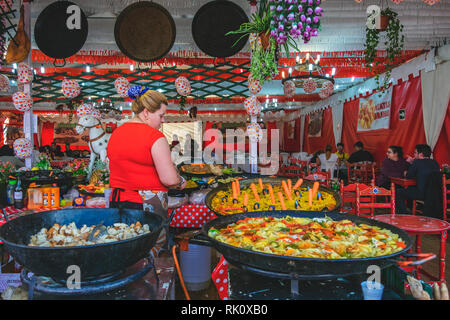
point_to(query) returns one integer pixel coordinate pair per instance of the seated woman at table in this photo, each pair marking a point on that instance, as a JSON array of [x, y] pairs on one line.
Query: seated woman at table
[[141, 169], [393, 166], [327, 161]]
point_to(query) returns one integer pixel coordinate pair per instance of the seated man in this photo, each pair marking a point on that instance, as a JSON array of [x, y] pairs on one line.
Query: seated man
[[360, 154], [421, 169]]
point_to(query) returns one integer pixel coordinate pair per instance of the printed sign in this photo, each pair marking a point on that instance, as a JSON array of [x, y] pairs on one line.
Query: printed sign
[[375, 111]]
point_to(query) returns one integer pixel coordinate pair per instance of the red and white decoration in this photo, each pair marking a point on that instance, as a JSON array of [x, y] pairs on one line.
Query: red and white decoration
[[4, 83], [24, 73], [252, 106], [22, 101], [254, 132], [327, 90], [22, 148], [122, 85], [253, 85], [70, 88], [85, 110], [310, 85], [183, 86], [4, 6], [192, 216], [289, 89], [220, 278]]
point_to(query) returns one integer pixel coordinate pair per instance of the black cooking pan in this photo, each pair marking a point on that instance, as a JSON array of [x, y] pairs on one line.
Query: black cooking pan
[[93, 260], [212, 22], [273, 181], [295, 267], [61, 29], [145, 31]]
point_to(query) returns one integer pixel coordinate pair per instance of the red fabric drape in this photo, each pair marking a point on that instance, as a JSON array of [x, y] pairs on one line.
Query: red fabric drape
[[48, 131], [313, 144], [406, 133], [442, 149]]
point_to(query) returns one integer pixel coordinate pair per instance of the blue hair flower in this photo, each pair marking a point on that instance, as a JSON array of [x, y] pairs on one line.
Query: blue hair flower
[[135, 91]]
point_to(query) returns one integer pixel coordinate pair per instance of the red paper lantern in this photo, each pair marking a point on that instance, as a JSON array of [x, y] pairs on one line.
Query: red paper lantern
[[183, 86], [70, 88], [22, 101]]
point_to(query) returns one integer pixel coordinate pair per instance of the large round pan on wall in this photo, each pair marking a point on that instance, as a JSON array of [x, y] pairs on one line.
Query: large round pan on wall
[[212, 22], [145, 31], [61, 29]]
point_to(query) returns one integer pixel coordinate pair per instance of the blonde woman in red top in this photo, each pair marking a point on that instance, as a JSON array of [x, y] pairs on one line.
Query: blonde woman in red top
[[141, 169]]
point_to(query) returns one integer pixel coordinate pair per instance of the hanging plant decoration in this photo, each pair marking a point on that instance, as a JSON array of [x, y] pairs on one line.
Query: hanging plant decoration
[[292, 19], [394, 42]]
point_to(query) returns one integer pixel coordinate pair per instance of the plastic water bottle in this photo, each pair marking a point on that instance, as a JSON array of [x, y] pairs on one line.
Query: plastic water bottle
[[10, 191], [18, 197]]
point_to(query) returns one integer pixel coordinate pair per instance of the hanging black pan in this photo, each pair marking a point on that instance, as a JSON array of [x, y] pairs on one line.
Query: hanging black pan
[[145, 31], [297, 267], [212, 22], [61, 29]]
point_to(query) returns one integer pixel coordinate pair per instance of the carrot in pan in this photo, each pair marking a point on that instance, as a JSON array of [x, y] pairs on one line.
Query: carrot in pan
[[286, 190], [280, 196], [272, 196], [255, 192]]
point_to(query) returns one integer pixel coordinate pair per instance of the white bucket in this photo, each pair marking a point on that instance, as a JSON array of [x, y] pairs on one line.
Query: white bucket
[[196, 267]]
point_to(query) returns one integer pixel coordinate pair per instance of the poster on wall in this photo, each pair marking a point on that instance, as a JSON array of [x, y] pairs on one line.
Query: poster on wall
[[67, 134], [315, 124], [375, 111]]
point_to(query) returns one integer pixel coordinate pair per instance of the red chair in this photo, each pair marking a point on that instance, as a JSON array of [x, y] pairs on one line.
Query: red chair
[[348, 195], [322, 177], [293, 161], [445, 197], [360, 172], [291, 171], [372, 193]]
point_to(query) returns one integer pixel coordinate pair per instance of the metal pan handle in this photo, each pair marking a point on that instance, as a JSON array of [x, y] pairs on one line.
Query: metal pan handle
[[193, 237], [424, 258]]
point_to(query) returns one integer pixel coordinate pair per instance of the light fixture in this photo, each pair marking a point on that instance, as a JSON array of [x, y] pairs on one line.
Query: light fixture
[[42, 69], [353, 79], [311, 78], [131, 67], [88, 68], [290, 71], [34, 71], [14, 65]]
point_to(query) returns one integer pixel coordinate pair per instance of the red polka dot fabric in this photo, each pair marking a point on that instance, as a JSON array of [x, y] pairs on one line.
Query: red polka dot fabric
[[22, 101], [220, 278], [192, 216], [252, 106], [122, 85], [22, 148], [24, 73], [253, 85]]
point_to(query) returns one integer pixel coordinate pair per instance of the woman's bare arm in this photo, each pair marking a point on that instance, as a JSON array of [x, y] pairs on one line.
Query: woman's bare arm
[[163, 163]]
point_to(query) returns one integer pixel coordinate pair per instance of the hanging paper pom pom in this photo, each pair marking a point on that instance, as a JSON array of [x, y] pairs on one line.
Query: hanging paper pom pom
[[254, 132], [122, 85], [70, 88], [85, 109], [183, 86], [24, 73], [22, 148], [253, 85], [327, 90], [252, 106], [22, 101], [289, 89], [96, 114], [4, 83], [310, 86]]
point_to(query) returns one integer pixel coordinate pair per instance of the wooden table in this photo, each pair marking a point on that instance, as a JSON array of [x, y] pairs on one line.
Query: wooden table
[[405, 183], [418, 226]]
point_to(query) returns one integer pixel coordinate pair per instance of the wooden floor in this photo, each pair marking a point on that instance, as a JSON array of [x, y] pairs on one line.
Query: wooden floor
[[430, 243]]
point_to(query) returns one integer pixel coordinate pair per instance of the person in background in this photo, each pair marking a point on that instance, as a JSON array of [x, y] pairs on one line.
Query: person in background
[[421, 169], [327, 161], [342, 158], [68, 152], [316, 156], [55, 151], [360, 155], [7, 154], [85, 154], [393, 166]]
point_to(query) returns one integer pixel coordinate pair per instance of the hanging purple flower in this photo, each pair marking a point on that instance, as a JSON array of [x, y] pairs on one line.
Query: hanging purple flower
[[307, 29], [300, 8], [310, 2], [308, 20], [291, 17], [310, 11], [303, 18], [318, 10], [316, 19]]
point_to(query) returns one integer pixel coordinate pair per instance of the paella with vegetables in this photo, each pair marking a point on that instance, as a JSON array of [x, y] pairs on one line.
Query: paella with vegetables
[[282, 195], [321, 238]]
